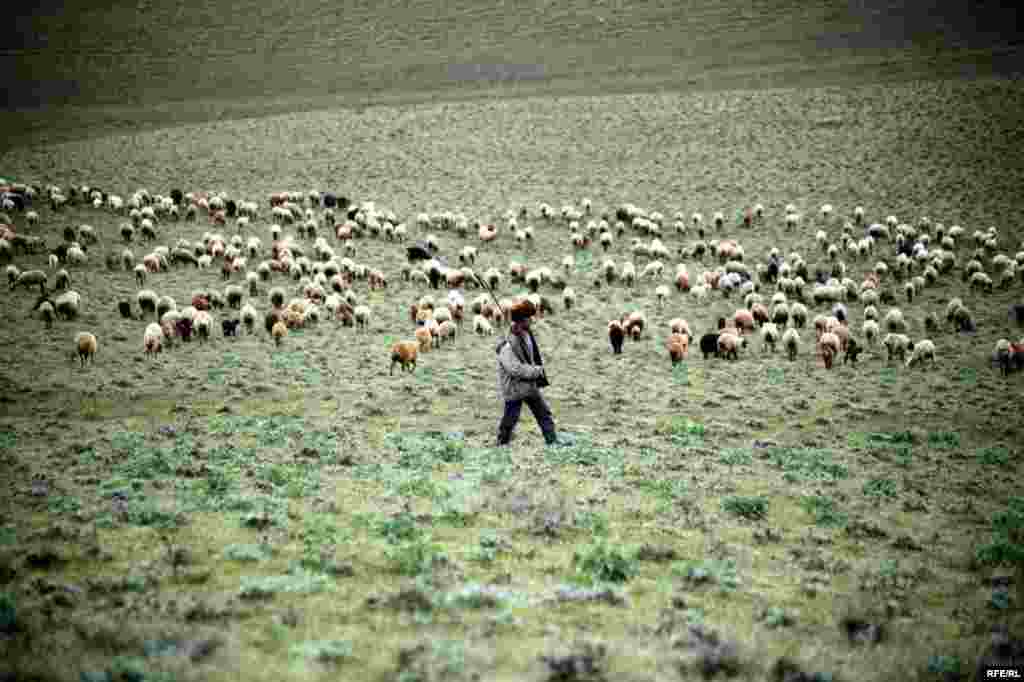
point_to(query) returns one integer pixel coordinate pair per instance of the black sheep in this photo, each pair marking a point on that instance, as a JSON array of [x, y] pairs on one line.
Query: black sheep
[[330, 201], [183, 328], [1017, 313], [229, 327], [852, 351], [232, 208], [709, 345], [616, 335], [125, 308], [177, 196]]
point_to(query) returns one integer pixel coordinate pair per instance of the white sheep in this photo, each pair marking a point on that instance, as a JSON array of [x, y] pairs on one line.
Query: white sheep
[[362, 316], [482, 326], [67, 305], [152, 339], [870, 330], [769, 336], [896, 344], [791, 341], [894, 321], [922, 349]]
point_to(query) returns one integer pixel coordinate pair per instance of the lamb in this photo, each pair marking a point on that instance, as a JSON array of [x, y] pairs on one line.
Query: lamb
[[896, 344], [769, 336], [152, 339], [923, 349], [677, 345], [894, 321], [86, 346], [279, 331], [29, 278], [791, 340], [616, 335], [403, 352]]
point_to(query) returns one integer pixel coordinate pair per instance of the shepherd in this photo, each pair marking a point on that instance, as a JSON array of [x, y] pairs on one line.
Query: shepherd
[[521, 376]]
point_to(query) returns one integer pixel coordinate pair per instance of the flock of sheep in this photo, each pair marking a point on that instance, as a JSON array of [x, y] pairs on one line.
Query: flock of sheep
[[775, 293]]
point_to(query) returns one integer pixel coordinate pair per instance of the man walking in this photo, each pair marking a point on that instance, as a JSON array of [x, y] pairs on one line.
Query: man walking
[[521, 376]]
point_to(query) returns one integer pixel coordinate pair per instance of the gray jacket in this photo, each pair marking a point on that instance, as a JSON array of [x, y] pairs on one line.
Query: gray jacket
[[517, 374]]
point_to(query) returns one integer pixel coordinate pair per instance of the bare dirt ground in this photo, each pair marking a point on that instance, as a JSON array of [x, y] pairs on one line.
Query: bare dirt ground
[[233, 509]]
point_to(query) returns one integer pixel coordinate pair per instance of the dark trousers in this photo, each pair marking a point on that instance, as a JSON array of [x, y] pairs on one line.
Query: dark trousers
[[541, 413]]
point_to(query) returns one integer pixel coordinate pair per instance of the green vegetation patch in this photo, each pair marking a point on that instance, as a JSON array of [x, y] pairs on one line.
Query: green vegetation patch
[[424, 449], [751, 508], [710, 571], [605, 562], [322, 651], [824, 511], [1007, 544], [807, 464], [296, 582]]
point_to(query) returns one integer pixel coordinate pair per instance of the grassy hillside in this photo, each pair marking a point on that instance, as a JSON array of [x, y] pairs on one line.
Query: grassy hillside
[[232, 509], [107, 66]]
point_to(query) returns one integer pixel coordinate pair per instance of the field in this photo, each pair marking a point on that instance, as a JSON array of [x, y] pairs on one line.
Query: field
[[237, 510]]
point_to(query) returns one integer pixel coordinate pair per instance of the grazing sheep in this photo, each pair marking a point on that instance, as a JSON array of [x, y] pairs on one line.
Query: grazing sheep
[[633, 324], [62, 280], [829, 346], [769, 336], [404, 352], [569, 298], [12, 275], [729, 345], [203, 323], [279, 331], [677, 345], [894, 321], [897, 345], [424, 338], [152, 339], [853, 349], [791, 340], [85, 346], [678, 325], [482, 326], [709, 345], [29, 278], [248, 317], [922, 349], [616, 335], [229, 327], [362, 316], [67, 305], [871, 331], [147, 301], [46, 312]]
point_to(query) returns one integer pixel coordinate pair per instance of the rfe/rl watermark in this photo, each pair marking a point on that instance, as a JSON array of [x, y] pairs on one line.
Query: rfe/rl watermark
[[1002, 673], [775, 375]]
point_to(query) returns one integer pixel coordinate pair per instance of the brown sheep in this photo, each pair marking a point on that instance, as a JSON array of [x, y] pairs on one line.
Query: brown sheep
[[829, 346], [729, 345], [85, 343], [744, 320], [424, 338], [279, 331], [404, 352], [678, 345]]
